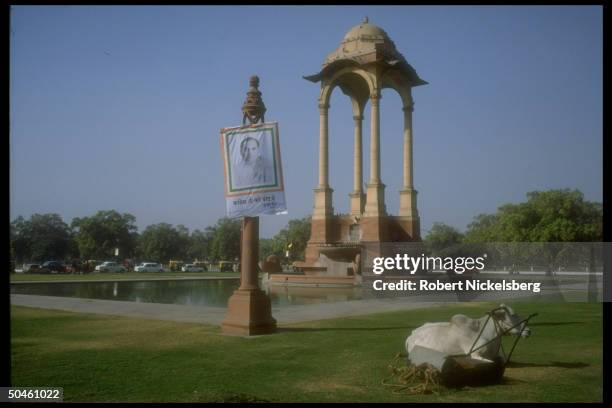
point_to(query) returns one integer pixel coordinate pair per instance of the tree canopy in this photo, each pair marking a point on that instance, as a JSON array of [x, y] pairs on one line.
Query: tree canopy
[[163, 242], [546, 216], [98, 236], [225, 244], [292, 238], [200, 244], [442, 236], [40, 238]]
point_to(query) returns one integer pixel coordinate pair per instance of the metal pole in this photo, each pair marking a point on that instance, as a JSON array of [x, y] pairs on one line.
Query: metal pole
[[519, 337]]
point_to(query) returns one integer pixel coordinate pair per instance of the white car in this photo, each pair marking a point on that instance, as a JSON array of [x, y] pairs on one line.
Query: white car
[[110, 267], [192, 268], [148, 267]]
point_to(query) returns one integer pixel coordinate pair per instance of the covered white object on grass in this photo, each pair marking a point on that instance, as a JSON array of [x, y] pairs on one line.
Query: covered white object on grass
[[463, 334]]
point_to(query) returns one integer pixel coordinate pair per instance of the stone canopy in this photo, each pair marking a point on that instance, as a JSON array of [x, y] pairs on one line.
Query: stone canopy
[[364, 44], [365, 63]]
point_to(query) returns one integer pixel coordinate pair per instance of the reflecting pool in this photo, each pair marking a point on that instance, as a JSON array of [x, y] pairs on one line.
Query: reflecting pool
[[213, 292], [216, 292]]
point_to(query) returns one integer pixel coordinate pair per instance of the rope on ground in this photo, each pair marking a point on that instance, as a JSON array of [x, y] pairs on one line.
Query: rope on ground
[[411, 379]]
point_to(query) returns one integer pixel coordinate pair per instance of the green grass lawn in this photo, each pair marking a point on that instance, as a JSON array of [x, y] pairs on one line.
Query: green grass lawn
[[21, 277], [106, 359]]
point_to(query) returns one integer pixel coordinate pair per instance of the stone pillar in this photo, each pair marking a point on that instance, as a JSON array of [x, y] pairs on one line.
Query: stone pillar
[[323, 193], [357, 155], [357, 194], [375, 199], [249, 310], [375, 139], [408, 195], [408, 166], [408, 206], [249, 253], [374, 221], [323, 146], [321, 223]]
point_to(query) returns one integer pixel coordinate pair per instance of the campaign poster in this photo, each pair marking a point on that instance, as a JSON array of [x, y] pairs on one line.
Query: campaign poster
[[253, 171]]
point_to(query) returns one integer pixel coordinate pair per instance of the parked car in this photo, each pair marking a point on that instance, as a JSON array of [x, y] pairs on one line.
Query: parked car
[[53, 266], [192, 268], [148, 267], [202, 264], [31, 268], [110, 266]]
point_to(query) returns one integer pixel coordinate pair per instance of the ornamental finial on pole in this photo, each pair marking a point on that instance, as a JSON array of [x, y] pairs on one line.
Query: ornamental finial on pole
[[253, 108]]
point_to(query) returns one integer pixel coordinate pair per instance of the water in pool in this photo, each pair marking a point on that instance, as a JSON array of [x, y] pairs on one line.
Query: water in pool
[[184, 292]]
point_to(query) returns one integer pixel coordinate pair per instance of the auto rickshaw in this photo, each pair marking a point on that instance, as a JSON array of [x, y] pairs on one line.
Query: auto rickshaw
[[226, 266], [175, 266]]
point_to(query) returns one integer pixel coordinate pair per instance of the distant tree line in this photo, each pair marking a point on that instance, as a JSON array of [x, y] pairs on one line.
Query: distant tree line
[[548, 216], [46, 236]]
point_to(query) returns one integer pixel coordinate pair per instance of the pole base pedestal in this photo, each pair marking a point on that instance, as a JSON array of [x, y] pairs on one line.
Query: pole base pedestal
[[249, 313]]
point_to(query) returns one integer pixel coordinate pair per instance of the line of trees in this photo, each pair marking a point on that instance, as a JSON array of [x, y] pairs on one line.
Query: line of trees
[[547, 216], [46, 236]]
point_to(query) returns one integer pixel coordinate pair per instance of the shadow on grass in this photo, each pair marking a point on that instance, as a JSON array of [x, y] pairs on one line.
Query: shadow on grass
[[511, 381], [553, 323], [241, 398], [559, 364], [505, 381], [316, 329]]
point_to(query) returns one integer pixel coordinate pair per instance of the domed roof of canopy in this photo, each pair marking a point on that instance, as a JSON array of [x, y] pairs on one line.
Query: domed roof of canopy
[[365, 29], [363, 44]]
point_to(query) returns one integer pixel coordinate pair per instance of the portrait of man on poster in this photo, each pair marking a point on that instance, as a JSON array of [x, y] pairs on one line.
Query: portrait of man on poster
[[251, 158]]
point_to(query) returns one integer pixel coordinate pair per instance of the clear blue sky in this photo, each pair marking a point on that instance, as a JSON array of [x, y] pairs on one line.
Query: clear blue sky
[[120, 107]]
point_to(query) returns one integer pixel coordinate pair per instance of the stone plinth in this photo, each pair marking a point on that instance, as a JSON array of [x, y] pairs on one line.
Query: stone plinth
[[374, 229], [249, 313], [248, 310]]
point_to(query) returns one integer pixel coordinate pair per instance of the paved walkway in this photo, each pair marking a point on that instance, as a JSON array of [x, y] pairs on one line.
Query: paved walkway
[[287, 314], [214, 315], [151, 278]]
